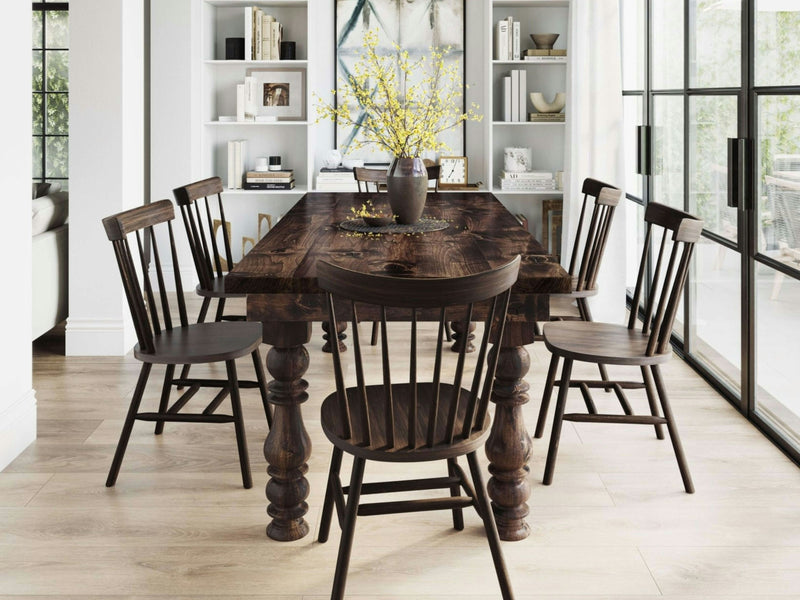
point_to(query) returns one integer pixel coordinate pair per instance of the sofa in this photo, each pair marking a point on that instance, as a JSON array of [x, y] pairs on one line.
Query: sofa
[[50, 231]]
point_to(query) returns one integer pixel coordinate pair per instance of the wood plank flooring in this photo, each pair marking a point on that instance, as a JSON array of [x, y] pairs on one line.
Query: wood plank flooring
[[615, 523]]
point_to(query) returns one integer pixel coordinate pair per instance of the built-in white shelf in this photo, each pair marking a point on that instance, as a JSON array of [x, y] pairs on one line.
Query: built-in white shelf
[[529, 192], [297, 190], [531, 62], [258, 63], [527, 123], [531, 3], [254, 123]]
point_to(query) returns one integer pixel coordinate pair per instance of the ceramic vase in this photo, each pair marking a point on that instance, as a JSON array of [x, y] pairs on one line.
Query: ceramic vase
[[407, 187]]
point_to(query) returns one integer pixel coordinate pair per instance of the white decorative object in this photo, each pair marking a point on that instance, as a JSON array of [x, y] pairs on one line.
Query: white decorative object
[[262, 164], [540, 104], [517, 160], [333, 159]]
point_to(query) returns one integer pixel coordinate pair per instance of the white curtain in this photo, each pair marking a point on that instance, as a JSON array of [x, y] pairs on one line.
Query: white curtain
[[594, 134]]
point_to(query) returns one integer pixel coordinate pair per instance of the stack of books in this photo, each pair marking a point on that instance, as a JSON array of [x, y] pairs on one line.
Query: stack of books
[[339, 179], [262, 35], [529, 181], [507, 40], [515, 95], [269, 180], [537, 117], [237, 158], [535, 55]]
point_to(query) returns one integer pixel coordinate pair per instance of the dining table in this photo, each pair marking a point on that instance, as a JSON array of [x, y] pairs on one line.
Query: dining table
[[278, 276]]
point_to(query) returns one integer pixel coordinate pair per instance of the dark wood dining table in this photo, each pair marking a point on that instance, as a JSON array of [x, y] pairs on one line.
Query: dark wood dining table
[[279, 277]]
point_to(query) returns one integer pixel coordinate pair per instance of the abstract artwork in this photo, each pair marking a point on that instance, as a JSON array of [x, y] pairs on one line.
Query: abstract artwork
[[416, 26]]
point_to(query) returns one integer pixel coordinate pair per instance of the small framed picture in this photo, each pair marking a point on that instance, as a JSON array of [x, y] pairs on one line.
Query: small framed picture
[[281, 93]]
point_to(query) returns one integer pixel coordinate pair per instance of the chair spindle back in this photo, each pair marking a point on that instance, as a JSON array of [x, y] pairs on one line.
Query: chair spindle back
[[148, 303], [439, 411], [679, 231], [196, 202], [372, 180], [590, 240]]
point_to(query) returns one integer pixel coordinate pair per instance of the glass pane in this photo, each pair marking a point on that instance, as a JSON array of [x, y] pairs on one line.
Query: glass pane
[[668, 150], [777, 42], [712, 120], [667, 21], [633, 36], [632, 115], [57, 23], [36, 41], [777, 332], [57, 114], [57, 154], [38, 119], [37, 158], [57, 70], [37, 70], [716, 309], [715, 43], [779, 178]]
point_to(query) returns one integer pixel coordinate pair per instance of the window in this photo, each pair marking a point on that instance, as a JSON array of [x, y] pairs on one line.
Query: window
[[51, 92]]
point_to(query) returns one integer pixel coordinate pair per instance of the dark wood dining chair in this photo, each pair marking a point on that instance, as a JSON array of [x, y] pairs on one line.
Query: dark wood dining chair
[[374, 180], [646, 347], [600, 201], [163, 341], [203, 214], [414, 421]]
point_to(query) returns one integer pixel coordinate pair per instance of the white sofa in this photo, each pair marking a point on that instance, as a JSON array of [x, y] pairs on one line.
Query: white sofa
[[49, 241]]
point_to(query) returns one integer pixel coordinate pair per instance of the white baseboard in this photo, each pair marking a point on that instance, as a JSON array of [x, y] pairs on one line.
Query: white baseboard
[[98, 337], [17, 428]]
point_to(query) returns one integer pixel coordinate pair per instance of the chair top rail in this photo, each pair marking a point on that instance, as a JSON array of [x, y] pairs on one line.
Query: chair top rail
[[121, 224], [199, 189]]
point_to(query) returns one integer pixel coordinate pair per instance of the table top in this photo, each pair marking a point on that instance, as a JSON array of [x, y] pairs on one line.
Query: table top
[[482, 234]]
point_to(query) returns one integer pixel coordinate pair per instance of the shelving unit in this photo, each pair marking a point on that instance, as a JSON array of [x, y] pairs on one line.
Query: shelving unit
[[289, 139], [547, 140]]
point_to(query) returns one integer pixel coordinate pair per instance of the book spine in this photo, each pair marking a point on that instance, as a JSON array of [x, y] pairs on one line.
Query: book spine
[[523, 94], [231, 165], [501, 41], [257, 19], [510, 50], [237, 165], [275, 40], [240, 102], [268, 186], [528, 175], [515, 95], [250, 105], [248, 32], [266, 36], [516, 43], [507, 98], [280, 180]]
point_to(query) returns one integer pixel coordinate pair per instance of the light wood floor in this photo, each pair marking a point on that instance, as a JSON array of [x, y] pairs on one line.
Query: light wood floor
[[615, 523]]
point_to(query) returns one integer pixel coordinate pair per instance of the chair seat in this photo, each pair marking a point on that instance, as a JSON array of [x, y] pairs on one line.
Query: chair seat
[[401, 394], [217, 290], [604, 343], [203, 343]]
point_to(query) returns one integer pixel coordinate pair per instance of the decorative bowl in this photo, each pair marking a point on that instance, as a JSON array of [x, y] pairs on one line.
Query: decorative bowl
[[544, 41], [540, 104], [378, 221]]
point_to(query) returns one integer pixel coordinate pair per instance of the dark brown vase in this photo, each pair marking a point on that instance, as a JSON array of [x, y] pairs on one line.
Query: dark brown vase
[[407, 187]]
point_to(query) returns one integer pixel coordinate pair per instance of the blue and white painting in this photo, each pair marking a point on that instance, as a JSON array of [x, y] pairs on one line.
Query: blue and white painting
[[416, 26]]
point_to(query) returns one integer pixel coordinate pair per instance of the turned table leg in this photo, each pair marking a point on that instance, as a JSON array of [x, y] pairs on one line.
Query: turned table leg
[[287, 447], [509, 445], [340, 334], [461, 337]]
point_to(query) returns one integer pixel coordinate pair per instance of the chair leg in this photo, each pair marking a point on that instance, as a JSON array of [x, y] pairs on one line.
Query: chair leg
[[346, 543], [448, 332], [127, 427], [374, 339], [586, 315], [164, 403], [330, 492], [490, 526], [455, 491], [220, 310], [673, 432], [238, 423], [201, 317], [651, 399], [548, 392], [558, 419], [262, 385]]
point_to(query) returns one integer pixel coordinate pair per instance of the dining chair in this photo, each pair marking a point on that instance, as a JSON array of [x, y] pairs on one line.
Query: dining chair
[[203, 215], [164, 342], [600, 201], [646, 347], [442, 417], [374, 180]]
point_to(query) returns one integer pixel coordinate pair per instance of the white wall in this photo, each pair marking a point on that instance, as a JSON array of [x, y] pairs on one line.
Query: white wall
[[17, 400], [106, 165]]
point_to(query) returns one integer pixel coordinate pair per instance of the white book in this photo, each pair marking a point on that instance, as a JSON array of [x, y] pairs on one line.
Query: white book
[[515, 95], [237, 165], [549, 59], [516, 41], [240, 102], [257, 18], [248, 32], [501, 41], [250, 105], [527, 175], [507, 98], [275, 40], [523, 94], [231, 164], [510, 52], [266, 37]]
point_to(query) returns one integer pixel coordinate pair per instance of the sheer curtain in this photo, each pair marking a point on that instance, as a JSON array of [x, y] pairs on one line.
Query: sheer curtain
[[595, 137]]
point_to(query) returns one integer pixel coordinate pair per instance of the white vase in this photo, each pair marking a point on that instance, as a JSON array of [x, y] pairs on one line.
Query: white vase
[[517, 160], [333, 158]]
